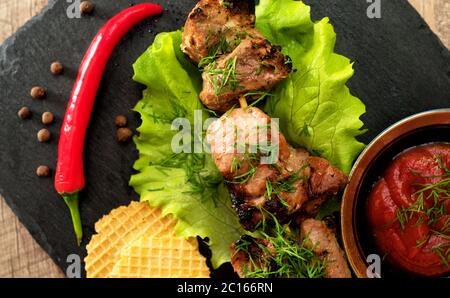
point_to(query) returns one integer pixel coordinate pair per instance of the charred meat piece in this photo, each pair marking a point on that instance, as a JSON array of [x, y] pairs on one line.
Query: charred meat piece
[[213, 21], [325, 178], [232, 136], [254, 65], [284, 252], [323, 242], [325, 182], [286, 185], [239, 141], [249, 254], [237, 59]]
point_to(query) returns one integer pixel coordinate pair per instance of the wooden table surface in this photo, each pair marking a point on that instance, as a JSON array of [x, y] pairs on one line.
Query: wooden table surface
[[21, 255]]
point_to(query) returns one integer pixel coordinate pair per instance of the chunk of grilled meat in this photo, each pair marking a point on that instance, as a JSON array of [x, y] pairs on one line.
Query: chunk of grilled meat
[[325, 178], [325, 181], [254, 65], [294, 182], [241, 127], [323, 242], [314, 246], [212, 20], [248, 247]]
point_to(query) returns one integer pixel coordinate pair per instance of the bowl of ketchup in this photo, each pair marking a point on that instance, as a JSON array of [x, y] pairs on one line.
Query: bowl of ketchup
[[396, 208]]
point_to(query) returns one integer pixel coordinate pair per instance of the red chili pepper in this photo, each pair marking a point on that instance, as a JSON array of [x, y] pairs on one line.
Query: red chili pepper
[[69, 178]]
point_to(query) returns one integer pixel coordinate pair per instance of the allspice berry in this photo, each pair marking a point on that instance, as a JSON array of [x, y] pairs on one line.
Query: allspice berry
[[38, 92], [24, 113], [47, 118], [44, 135], [86, 7], [43, 171], [121, 121], [124, 134], [56, 68]]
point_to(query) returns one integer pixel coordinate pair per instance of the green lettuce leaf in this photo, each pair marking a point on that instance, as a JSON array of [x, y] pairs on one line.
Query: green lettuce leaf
[[188, 186], [315, 108]]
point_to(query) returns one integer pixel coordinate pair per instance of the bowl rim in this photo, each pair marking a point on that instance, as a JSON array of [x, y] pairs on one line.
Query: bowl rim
[[360, 167]]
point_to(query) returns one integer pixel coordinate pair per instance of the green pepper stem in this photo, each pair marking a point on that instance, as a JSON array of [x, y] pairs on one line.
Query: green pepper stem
[[71, 200]]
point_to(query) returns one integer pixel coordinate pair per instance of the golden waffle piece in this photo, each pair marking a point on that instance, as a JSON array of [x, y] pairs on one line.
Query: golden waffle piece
[[161, 257], [118, 230]]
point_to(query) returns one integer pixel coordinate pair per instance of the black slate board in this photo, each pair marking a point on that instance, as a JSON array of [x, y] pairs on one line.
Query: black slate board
[[401, 69]]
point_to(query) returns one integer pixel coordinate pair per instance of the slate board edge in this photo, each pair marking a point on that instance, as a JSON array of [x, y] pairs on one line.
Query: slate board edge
[[34, 229]]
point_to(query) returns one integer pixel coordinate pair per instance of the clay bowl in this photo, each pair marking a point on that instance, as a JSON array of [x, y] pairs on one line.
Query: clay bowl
[[428, 127]]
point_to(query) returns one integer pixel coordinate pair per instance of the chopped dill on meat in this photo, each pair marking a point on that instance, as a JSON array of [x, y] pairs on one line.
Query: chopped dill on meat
[[251, 157], [223, 77], [237, 163], [220, 48], [279, 252], [277, 188]]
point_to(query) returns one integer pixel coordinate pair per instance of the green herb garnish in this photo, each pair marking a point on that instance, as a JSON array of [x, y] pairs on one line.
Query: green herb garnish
[[221, 78], [284, 256], [429, 207], [277, 188], [221, 47]]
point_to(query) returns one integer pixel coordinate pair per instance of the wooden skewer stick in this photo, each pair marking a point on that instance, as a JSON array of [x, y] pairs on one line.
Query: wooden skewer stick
[[243, 102]]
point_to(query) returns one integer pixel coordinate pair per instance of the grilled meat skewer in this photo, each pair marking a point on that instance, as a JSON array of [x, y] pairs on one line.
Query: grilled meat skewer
[[293, 182], [237, 59], [254, 65]]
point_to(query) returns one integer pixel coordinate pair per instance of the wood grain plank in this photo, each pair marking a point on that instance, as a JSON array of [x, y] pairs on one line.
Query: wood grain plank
[[441, 17], [437, 14], [21, 255]]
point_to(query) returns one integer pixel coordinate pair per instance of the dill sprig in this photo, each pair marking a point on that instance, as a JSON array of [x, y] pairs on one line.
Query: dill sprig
[[221, 78], [194, 166], [249, 159], [177, 111], [261, 95], [284, 256], [277, 188], [443, 251], [220, 48]]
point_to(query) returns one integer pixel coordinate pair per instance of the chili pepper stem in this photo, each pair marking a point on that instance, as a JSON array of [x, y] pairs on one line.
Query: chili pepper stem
[[72, 202]]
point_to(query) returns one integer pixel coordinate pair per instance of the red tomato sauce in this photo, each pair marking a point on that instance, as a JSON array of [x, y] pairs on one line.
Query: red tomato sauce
[[408, 211]]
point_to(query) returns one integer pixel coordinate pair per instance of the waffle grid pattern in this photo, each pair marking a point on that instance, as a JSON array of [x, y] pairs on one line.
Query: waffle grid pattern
[[119, 229], [161, 257]]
